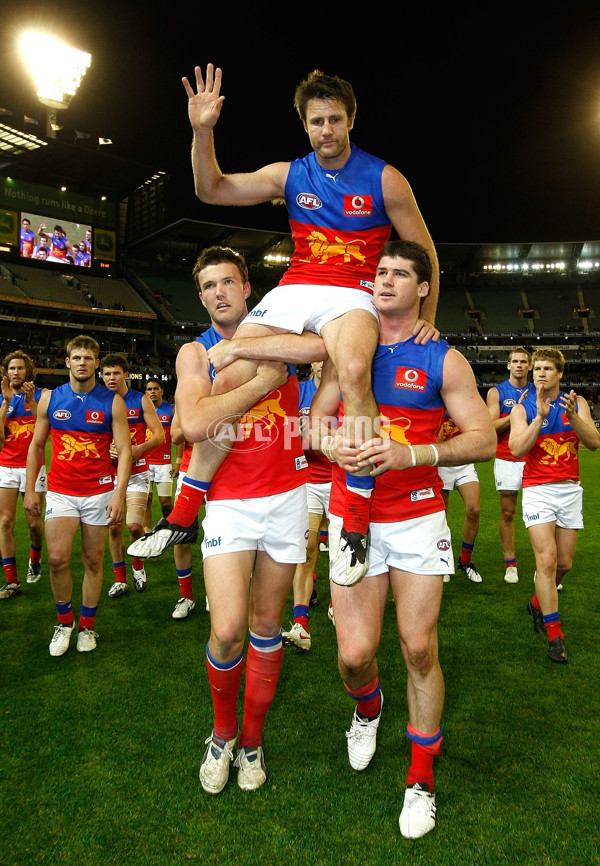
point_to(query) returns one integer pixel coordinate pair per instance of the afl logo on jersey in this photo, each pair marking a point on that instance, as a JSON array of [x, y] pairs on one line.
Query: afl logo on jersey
[[443, 544], [308, 201], [509, 403], [61, 415]]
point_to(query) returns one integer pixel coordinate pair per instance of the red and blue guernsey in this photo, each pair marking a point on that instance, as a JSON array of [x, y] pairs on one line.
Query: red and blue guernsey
[[338, 221], [59, 247], [407, 380], [137, 427], [508, 396], [26, 242], [81, 435], [267, 456], [555, 455], [18, 430], [319, 466], [161, 455]]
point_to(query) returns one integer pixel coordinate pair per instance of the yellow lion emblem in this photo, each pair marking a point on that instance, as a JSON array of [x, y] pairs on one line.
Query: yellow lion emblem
[[72, 446]]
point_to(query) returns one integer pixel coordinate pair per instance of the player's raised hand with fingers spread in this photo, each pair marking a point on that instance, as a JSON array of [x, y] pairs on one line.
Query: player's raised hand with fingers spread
[[204, 106]]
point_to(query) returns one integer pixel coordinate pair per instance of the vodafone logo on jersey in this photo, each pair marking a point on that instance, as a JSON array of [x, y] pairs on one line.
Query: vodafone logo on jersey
[[93, 416], [308, 201], [410, 379], [61, 415], [358, 205], [132, 414]]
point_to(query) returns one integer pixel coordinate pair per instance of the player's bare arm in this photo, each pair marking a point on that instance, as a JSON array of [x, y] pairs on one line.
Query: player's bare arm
[[405, 216], [7, 396], [302, 348], [179, 442], [157, 432], [523, 436], [492, 400], [211, 185], [321, 432], [201, 414], [177, 437], [115, 511], [32, 501]]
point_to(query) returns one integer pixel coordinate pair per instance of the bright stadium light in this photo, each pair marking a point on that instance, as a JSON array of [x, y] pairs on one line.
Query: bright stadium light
[[57, 70]]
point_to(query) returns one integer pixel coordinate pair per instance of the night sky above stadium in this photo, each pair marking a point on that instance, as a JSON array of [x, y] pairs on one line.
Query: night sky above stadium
[[492, 112]]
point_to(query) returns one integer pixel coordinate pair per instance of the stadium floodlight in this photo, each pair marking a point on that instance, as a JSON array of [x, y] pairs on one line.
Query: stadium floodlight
[[57, 70]]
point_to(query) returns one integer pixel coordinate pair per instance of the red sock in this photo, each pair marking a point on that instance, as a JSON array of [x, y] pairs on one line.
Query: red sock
[[552, 623], [184, 576], [225, 679], [35, 554], [424, 749], [368, 698], [535, 602], [10, 569], [357, 511], [87, 617], [263, 664], [188, 503], [465, 553], [120, 572], [64, 612]]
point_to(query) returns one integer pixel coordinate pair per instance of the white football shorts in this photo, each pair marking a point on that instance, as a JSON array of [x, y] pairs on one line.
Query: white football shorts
[[14, 479], [455, 476], [318, 496], [88, 509], [548, 503], [277, 525], [307, 308], [508, 475], [422, 545]]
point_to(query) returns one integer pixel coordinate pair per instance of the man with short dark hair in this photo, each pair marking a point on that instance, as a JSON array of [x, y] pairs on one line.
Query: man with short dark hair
[[26, 239], [410, 546]]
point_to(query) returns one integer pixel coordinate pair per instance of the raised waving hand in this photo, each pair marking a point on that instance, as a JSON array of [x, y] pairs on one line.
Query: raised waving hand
[[204, 107]]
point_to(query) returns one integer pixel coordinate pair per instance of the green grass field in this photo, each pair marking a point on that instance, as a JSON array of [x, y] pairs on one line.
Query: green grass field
[[101, 751]]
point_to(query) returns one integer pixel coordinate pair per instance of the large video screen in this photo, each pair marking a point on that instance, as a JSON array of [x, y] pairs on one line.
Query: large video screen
[[51, 240]]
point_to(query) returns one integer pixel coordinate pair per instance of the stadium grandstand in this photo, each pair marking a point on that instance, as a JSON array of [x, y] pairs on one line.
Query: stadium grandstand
[[135, 294]]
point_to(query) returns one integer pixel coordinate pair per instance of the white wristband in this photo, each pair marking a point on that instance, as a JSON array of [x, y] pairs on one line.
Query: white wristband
[[413, 456], [327, 444], [436, 454]]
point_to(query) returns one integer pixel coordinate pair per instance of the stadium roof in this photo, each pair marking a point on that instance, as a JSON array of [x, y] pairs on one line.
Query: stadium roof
[[180, 240], [81, 166]]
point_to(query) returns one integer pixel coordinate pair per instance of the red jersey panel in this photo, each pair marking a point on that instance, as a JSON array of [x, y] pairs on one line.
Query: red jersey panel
[[81, 435], [18, 430]]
